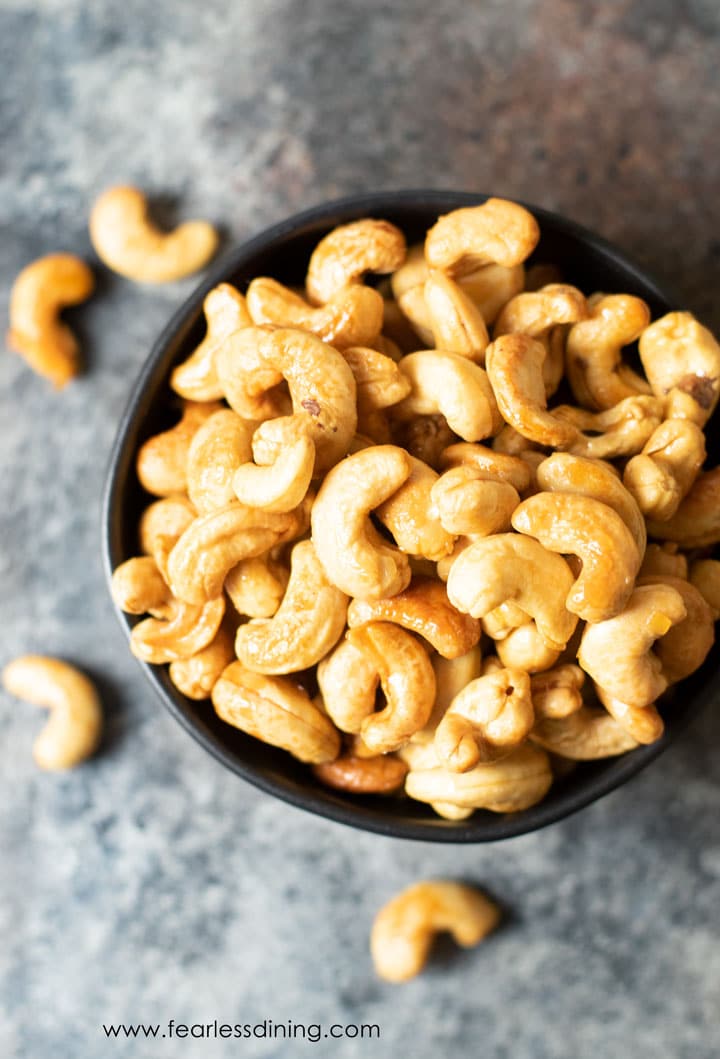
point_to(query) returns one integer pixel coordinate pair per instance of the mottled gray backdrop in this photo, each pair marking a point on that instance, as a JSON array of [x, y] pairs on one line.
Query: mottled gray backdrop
[[152, 884]]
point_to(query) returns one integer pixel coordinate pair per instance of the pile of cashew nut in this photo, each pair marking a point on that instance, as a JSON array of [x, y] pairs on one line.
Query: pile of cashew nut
[[400, 528]]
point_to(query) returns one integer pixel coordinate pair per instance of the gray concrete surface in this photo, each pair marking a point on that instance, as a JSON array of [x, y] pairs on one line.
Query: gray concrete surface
[[151, 884]]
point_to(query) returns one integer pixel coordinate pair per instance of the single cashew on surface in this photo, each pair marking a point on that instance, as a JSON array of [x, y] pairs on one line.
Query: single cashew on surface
[[276, 711], [225, 313], [308, 623], [355, 557], [352, 317], [696, 523], [220, 445], [663, 473], [162, 461], [344, 256], [509, 567], [681, 359], [40, 292], [411, 517], [73, 732], [404, 929], [585, 735], [618, 654], [453, 386], [126, 240], [598, 377], [497, 232], [579, 525]]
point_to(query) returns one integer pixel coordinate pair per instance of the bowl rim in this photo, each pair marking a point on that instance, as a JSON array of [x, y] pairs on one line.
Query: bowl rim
[[478, 828]]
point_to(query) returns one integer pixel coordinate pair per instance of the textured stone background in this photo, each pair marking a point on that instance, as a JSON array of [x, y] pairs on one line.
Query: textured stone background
[[152, 884]]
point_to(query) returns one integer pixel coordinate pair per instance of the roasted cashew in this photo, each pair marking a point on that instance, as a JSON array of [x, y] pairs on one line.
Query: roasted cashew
[[383, 774], [451, 676], [500, 621], [491, 286], [663, 473], [162, 523], [280, 484], [185, 629], [585, 735], [456, 322], [696, 523], [490, 715], [225, 313], [75, 726], [467, 501], [425, 437], [617, 653], [405, 927], [321, 384], [618, 431], [524, 648], [355, 557], [220, 445], [493, 465], [705, 576], [511, 567], [277, 711], [509, 442], [352, 317], [682, 361], [40, 292], [256, 586], [410, 516], [664, 559], [214, 543], [127, 241], [378, 379], [580, 476], [398, 329], [558, 692], [348, 681], [579, 525], [308, 623], [455, 387], [515, 368], [597, 375], [642, 723], [496, 233], [138, 587], [685, 647], [520, 779], [197, 675], [425, 609], [162, 460], [348, 252]]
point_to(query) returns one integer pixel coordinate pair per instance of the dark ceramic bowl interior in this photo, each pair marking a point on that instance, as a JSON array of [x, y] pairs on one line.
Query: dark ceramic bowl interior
[[283, 251]]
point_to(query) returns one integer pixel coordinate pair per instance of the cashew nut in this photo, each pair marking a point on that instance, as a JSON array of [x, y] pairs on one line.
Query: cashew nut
[[277, 711], [425, 609], [496, 233], [585, 735], [453, 386], [511, 567], [40, 292], [524, 648], [256, 586], [682, 361], [355, 557], [138, 587], [617, 653], [343, 257], [280, 484], [598, 377], [455, 321], [618, 431], [410, 516], [126, 240], [348, 681], [352, 317], [467, 501], [405, 927], [642, 723], [685, 647], [664, 559], [558, 692], [163, 459], [492, 286], [220, 445], [225, 313], [451, 676], [696, 523], [578, 525], [308, 623], [197, 675], [378, 379], [663, 473], [162, 523], [491, 464], [705, 576], [425, 437], [509, 442], [363, 775], [185, 629]]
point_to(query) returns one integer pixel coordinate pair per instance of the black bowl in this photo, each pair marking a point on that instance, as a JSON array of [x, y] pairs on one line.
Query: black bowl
[[283, 251]]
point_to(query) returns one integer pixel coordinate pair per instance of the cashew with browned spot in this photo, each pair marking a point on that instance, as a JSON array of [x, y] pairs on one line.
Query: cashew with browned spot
[[411, 517], [352, 317], [696, 523], [425, 437], [225, 313], [681, 359], [663, 473], [496, 233], [162, 460], [344, 256], [220, 445], [598, 377], [453, 386]]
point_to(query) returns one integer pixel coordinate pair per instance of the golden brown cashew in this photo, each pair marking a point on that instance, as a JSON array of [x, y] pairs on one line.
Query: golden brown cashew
[[425, 437], [515, 369], [594, 366], [696, 523], [500, 621], [451, 676], [511, 567], [580, 476], [348, 252], [280, 483], [407, 680], [355, 557], [705, 576], [491, 714], [663, 473], [40, 292], [466, 501], [186, 629], [643, 723], [493, 465], [520, 779], [682, 361], [126, 240], [214, 543], [348, 681], [378, 379], [510, 443], [585, 735], [138, 587], [496, 233], [410, 516], [579, 525], [277, 711], [73, 731], [491, 286], [558, 692], [405, 927], [256, 586], [685, 647], [308, 623], [162, 460], [225, 313], [524, 648], [353, 317], [453, 386], [455, 321], [219, 446], [162, 523], [664, 559], [197, 676], [617, 653], [321, 384], [618, 431], [383, 774], [425, 609]]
